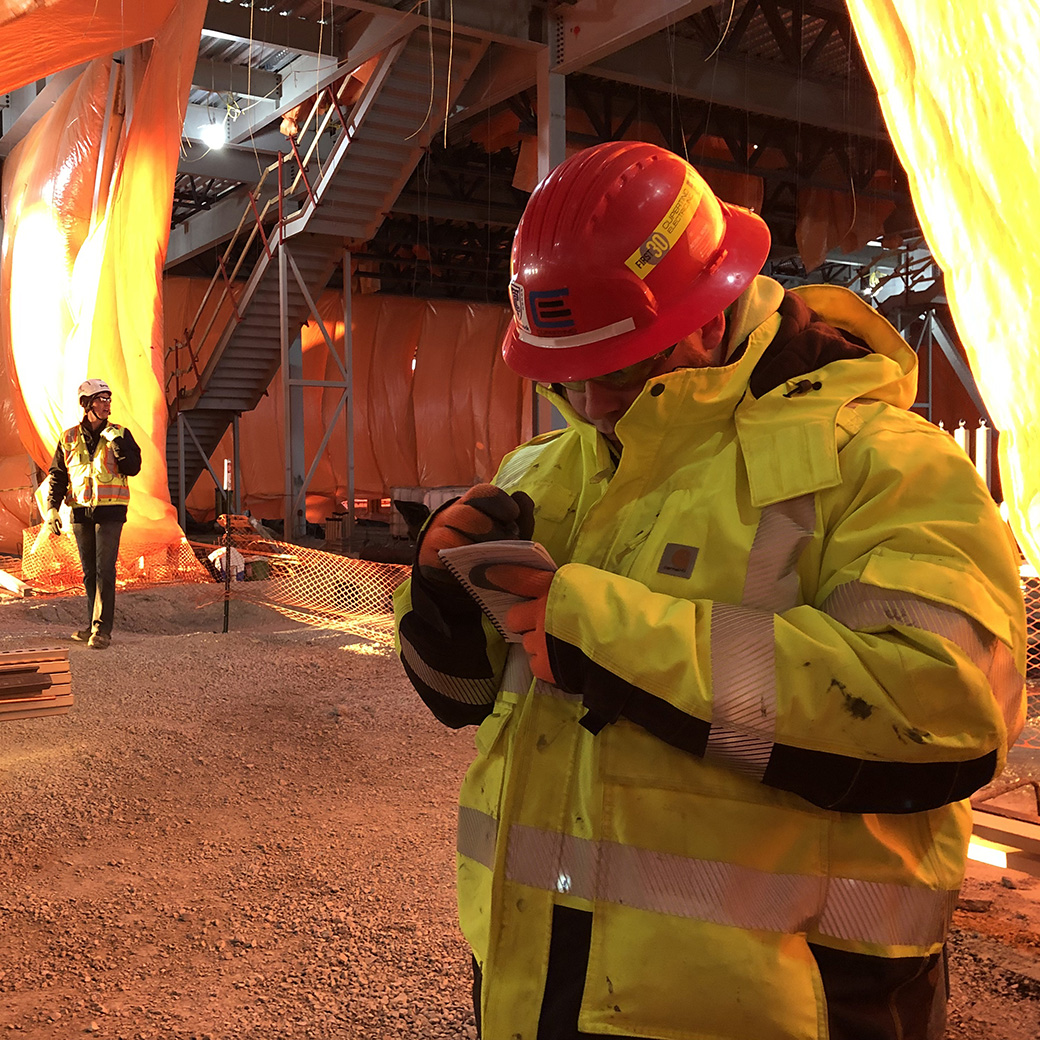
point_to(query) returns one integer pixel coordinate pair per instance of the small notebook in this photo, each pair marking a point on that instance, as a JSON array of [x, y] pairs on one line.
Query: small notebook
[[469, 563]]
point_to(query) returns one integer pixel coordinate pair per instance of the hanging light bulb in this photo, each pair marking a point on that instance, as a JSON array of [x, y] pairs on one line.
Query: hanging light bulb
[[213, 135]]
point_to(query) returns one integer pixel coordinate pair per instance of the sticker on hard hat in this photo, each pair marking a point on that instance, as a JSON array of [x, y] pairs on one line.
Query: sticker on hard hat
[[656, 247], [516, 298]]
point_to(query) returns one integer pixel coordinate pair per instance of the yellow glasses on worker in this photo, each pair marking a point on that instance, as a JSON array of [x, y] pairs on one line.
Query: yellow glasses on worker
[[624, 378]]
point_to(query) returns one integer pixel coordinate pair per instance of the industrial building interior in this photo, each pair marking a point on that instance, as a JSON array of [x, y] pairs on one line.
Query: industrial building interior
[[349, 178], [419, 166]]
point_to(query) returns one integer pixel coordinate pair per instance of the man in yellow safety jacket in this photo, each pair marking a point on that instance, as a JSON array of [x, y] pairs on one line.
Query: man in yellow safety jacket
[[89, 471], [720, 785]]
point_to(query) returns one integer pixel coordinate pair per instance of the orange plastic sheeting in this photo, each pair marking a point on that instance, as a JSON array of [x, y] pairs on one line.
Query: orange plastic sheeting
[[184, 299], [16, 474], [41, 37], [959, 86], [831, 220], [447, 422], [86, 225], [467, 404]]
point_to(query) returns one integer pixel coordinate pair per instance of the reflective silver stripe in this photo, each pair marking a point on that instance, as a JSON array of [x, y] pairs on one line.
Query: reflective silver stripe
[[784, 529], [743, 680], [517, 465], [860, 606], [704, 890], [743, 647], [467, 691], [476, 836], [580, 339], [893, 915], [517, 675], [517, 678]]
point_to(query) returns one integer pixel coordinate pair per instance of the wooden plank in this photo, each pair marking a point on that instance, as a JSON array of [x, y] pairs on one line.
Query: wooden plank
[[39, 711], [33, 667], [14, 585], [34, 683], [1016, 833], [52, 653]]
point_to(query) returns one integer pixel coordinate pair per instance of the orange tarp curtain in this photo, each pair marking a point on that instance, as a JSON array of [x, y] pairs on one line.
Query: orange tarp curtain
[[86, 202], [959, 86], [41, 37], [446, 422]]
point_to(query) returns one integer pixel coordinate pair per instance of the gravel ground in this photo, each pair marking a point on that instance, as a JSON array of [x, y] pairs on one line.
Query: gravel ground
[[250, 835]]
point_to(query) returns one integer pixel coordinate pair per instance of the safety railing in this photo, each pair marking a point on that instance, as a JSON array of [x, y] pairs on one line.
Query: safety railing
[[270, 204]]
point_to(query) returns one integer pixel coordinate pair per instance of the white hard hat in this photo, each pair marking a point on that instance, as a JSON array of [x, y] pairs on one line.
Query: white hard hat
[[90, 387]]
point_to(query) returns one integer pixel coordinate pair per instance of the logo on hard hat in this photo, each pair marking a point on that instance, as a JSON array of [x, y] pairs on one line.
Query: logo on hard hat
[[549, 309]]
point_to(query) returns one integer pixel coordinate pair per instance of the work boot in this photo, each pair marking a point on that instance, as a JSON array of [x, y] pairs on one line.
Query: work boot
[[81, 635], [99, 641]]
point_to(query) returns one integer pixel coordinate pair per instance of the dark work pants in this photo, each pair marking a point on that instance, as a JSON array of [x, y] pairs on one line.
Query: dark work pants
[[98, 548], [868, 998]]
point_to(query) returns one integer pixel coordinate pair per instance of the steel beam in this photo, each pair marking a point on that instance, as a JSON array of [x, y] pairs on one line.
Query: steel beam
[[242, 164], [226, 21], [364, 38], [221, 77], [500, 20], [592, 29], [682, 67]]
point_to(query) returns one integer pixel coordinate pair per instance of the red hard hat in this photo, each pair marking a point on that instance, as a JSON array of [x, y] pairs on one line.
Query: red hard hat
[[622, 251]]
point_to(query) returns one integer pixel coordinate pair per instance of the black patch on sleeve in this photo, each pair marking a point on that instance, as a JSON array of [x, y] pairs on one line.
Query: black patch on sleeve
[[607, 697], [845, 784]]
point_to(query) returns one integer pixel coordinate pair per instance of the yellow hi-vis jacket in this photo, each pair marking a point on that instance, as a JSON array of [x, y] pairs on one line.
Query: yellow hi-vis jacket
[[802, 613], [94, 481]]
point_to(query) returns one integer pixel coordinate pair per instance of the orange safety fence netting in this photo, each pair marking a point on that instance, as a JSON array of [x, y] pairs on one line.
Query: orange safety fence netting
[[51, 564], [310, 586]]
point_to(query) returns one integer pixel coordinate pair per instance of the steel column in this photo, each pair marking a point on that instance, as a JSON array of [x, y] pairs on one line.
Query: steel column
[[348, 366]]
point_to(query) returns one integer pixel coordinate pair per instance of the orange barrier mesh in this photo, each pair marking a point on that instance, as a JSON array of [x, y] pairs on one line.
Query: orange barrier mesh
[[312, 586], [51, 564], [306, 585]]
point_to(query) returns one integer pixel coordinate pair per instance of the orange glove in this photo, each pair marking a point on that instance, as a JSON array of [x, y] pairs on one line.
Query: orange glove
[[527, 618], [485, 513]]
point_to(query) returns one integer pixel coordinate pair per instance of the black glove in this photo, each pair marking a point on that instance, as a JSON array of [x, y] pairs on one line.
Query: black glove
[[53, 521]]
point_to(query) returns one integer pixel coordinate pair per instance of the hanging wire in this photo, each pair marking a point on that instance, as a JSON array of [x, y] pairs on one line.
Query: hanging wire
[[675, 105], [429, 33], [847, 106], [722, 35], [451, 51]]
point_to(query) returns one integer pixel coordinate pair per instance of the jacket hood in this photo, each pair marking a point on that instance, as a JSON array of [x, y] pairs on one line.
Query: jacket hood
[[820, 325]]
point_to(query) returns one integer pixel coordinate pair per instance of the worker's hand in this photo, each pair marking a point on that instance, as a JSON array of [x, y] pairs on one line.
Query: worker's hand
[[485, 513], [527, 618], [53, 521]]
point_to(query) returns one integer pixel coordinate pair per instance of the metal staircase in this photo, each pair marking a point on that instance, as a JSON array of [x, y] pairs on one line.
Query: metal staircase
[[345, 196]]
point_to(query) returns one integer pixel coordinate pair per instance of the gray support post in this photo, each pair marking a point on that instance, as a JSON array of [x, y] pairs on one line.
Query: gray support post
[[236, 463], [348, 365], [552, 149], [283, 342], [182, 509]]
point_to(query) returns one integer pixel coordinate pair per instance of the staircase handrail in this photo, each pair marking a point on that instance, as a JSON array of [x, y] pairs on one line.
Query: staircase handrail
[[260, 217]]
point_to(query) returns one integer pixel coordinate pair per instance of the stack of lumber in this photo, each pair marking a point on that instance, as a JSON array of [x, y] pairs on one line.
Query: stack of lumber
[[34, 683]]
